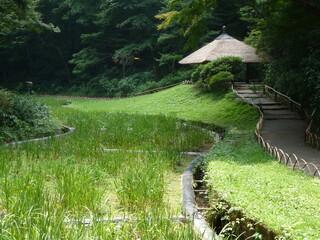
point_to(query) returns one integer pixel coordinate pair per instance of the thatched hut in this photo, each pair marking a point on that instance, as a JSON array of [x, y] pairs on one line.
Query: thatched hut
[[223, 46]]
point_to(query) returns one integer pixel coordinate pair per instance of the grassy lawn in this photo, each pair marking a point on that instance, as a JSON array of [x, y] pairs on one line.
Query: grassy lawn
[[266, 191], [238, 169], [183, 102]]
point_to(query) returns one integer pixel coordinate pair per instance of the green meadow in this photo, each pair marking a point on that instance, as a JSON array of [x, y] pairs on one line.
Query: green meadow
[[237, 168], [48, 188]]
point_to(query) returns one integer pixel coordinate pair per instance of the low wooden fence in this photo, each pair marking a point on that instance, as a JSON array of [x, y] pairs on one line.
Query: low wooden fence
[[154, 90], [279, 97], [290, 160], [310, 137], [163, 88]]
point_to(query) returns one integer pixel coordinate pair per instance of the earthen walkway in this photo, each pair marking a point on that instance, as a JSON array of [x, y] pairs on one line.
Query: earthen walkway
[[282, 128]]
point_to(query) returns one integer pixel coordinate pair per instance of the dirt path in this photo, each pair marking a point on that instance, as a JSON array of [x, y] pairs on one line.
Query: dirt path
[[281, 127]]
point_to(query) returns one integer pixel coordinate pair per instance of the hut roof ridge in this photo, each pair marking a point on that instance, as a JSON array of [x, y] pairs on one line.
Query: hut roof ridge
[[222, 46]]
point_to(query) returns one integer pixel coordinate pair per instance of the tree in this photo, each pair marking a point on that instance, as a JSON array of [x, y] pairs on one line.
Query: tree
[[192, 17], [124, 37], [288, 34], [20, 22]]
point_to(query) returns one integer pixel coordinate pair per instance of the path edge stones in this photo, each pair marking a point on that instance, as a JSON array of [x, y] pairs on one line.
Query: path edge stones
[[188, 203], [67, 130]]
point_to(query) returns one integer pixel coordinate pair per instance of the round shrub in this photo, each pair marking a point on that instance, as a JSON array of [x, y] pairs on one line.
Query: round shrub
[[23, 117], [220, 81], [203, 73]]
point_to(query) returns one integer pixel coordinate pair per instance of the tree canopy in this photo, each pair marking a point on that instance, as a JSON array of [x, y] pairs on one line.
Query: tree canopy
[[115, 48], [288, 33]]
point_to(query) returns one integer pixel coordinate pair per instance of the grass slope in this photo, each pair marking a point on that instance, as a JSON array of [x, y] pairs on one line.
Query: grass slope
[[184, 102], [237, 168]]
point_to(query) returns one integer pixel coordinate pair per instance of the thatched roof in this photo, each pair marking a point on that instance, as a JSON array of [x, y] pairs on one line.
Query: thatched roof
[[223, 46]]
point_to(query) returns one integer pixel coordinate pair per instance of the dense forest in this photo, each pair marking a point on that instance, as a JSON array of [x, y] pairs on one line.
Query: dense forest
[[119, 47]]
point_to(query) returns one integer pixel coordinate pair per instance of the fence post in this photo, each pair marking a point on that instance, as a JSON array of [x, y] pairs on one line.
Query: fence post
[[302, 112]]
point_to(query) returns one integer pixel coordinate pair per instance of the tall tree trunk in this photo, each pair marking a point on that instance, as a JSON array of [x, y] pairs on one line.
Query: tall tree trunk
[[123, 70]]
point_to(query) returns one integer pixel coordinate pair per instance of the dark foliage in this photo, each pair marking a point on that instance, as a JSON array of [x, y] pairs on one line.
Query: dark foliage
[[288, 33], [218, 73], [23, 117], [104, 48]]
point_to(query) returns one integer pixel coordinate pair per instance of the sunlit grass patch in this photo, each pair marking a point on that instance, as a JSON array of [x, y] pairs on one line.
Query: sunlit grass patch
[[266, 191], [141, 185], [184, 102]]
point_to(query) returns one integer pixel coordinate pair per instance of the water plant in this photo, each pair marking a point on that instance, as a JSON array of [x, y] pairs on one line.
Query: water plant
[[47, 188]]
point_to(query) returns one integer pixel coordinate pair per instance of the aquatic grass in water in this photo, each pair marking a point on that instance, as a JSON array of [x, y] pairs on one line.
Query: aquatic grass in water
[[140, 185], [44, 184], [78, 188]]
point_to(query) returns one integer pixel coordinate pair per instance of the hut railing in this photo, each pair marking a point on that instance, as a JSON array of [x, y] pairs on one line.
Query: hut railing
[[284, 99]]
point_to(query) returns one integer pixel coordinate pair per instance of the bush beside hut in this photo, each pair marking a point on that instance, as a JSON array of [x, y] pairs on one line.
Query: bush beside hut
[[218, 74]]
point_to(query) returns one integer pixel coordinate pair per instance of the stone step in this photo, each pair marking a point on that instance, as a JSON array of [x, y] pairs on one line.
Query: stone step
[[251, 95], [279, 111], [240, 84], [262, 101], [248, 91], [273, 107], [281, 117], [265, 103], [247, 85], [242, 89]]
